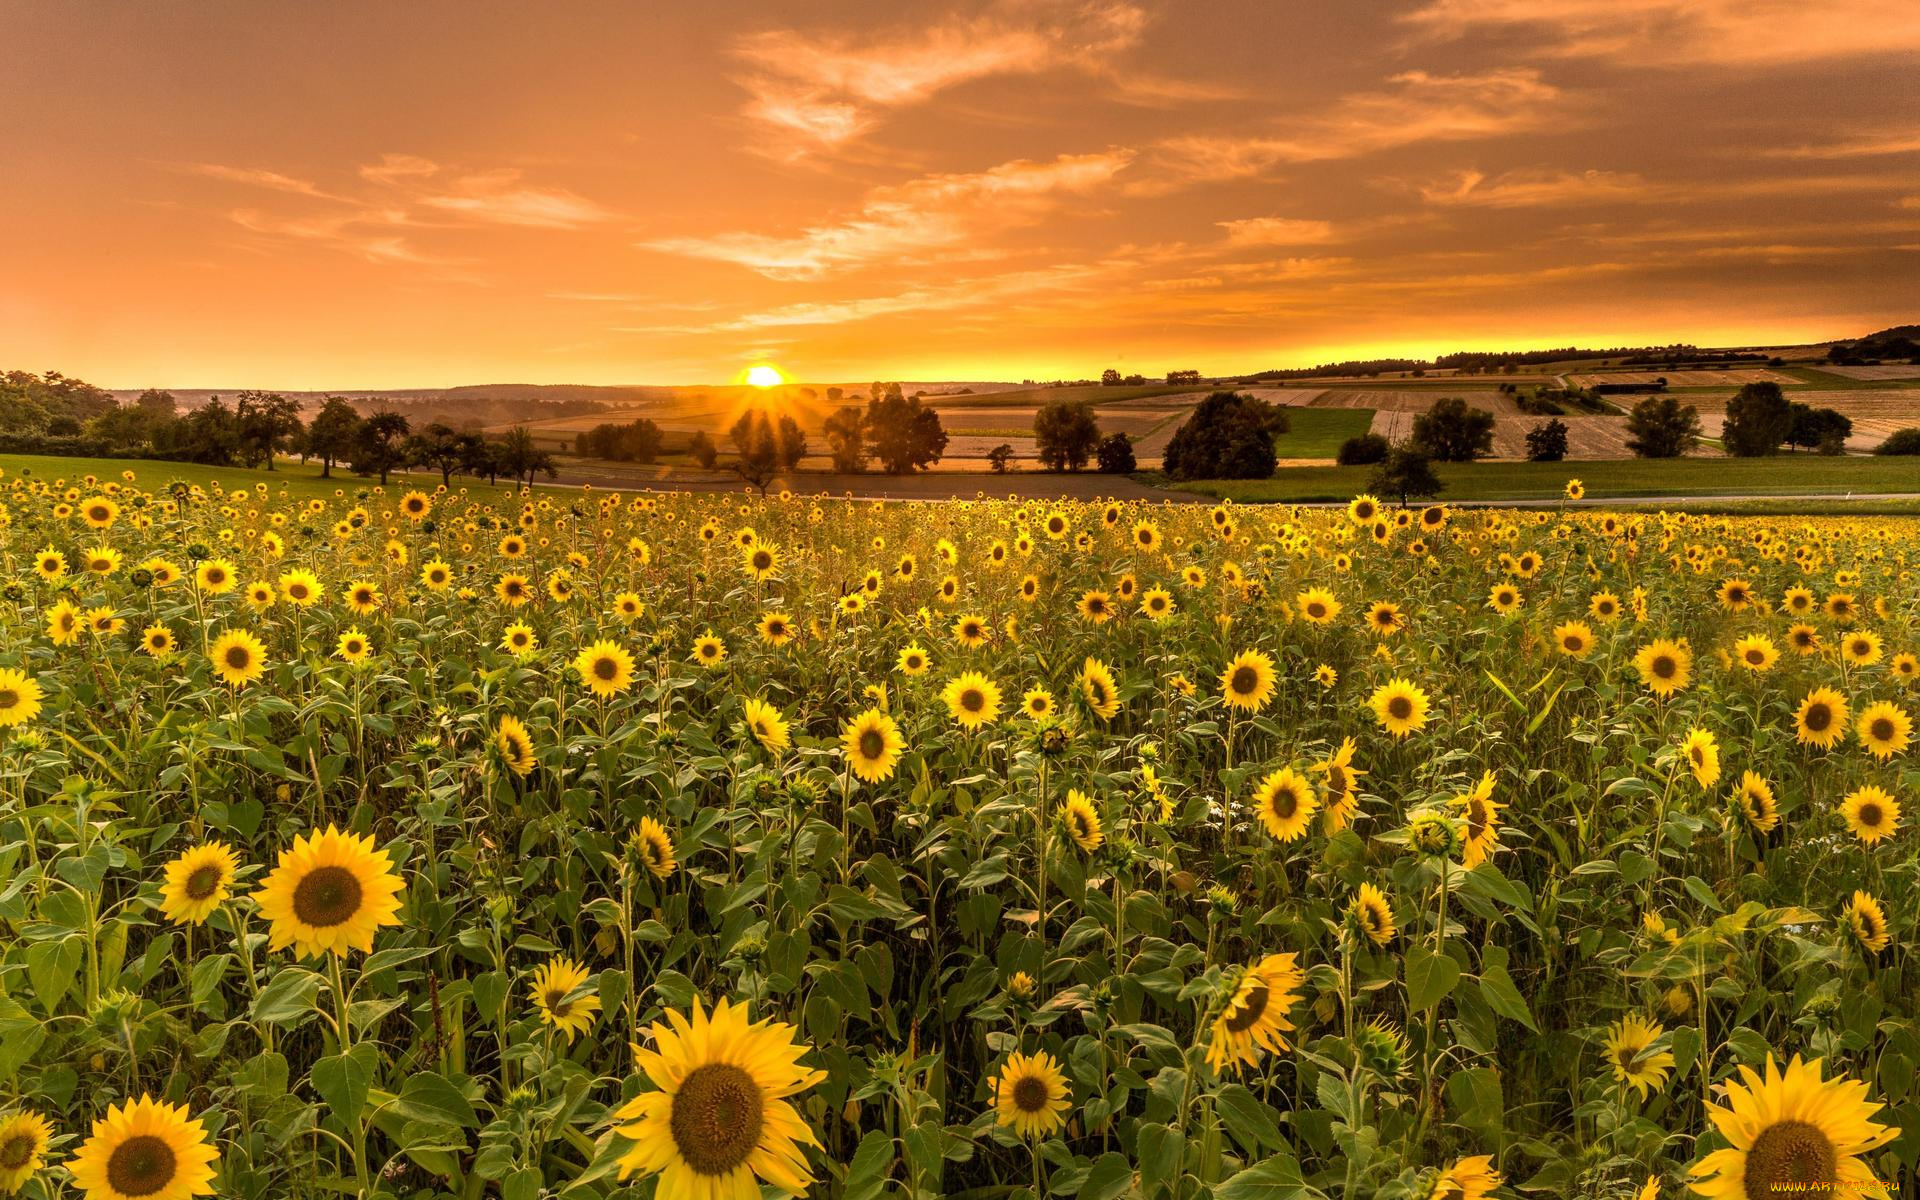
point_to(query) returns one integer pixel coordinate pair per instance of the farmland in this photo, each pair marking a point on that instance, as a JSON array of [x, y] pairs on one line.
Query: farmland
[[1075, 846]]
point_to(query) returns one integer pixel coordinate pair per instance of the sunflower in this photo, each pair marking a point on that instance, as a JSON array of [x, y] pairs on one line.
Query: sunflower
[[558, 998], [1400, 706], [1804, 639], [1605, 606], [1481, 816], [1037, 703], [301, 588], [1031, 1094], [416, 505], [1504, 599], [719, 1122], [1095, 606], [50, 564], [971, 630], [1860, 648], [1868, 921], [197, 882], [145, 1149], [1756, 652], [1754, 799], [1884, 729], [353, 646], [1157, 604], [709, 651], [19, 697], [1636, 1064], [238, 658], [1703, 756], [1097, 689], [99, 512], [1467, 1179], [1341, 802], [1371, 914], [775, 628], [1872, 813], [65, 623], [760, 561], [1665, 667], [512, 589], [1821, 718], [972, 699], [913, 660], [1254, 1017], [518, 638], [654, 847], [1082, 820], [1285, 802], [102, 560], [1325, 675], [872, 743], [1317, 606], [606, 667], [215, 577], [23, 1148], [1248, 681], [766, 724], [515, 745], [1573, 639], [1362, 509], [330, 892], [1791, 1132]]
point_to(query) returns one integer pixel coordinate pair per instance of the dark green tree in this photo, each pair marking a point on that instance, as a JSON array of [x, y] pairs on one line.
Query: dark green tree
[[905, 436], [1115, 454], [380, 447], [1065, 435], [1229, 436], [332, 434], [847, 438], [1547, 441], [1406, 473], [1759, 418], [1453, 431], [766, 446], [1662, 427]]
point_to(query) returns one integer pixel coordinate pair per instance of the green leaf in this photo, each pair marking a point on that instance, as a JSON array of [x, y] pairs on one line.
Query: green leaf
[[1496, 986], [342, 1079], [51, 967], [1254, 1125], [435, 1099], [288, 997], [867, 1173], [1109, 1178], [1430, 977], [1277, 1178]]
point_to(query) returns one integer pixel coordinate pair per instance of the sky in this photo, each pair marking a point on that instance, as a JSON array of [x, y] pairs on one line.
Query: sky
[[278, 194]]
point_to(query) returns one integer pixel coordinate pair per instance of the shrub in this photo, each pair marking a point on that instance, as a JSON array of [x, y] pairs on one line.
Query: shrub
[[1901, 441], [1363, 451], [1229, 436]]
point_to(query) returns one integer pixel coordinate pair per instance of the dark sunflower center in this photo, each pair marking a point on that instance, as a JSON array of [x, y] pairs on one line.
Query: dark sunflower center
[[298, 591], [1285, 803], [1400, 708], [1252, 1006], [605, 668], [1573, 641], [762, 561], [1316, 610], [239, 657], [1756, 656], [1626, 1055], [1789, 1153], [1663, 667], [1870, 814], [9, 699], [1097, 690], [328, 896], [1819, 716], [872, 744], [717, 1118], [1881, 729], [556, 1002], [1030, 1093], [1245, 680], [16, 1152], [203, 882], [141, 1166]]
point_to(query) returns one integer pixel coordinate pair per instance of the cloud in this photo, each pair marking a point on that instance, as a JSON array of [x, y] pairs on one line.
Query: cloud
[[1418, 107], [1277, 231], [993, 290], [1684, 33], [500, 198], [1903, 141], [821, 91], [349, 233], [1533, 189], [937, 216], [395, 169], [260, 178]]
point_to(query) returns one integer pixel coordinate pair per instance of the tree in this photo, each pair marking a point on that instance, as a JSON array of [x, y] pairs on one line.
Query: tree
[[1451, 431], [1901, 441], [1065, 433], [1759, 418], [479, 457], [1363, 450], [1110, 378], [269, 423], [1818, 427], [1406, 472], [381, 445], [438, 446], [520, 457], [208, 435], [765, 446], [636, 441], [905, 436], [701, 449], [847, 438], [999, 457], [1547, 441], [1229, 436], [1662, 427], [332, 435], [1115, 455], [157, 402]]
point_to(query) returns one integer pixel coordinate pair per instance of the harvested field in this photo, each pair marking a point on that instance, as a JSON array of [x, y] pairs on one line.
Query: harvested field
[[1878, 371], [1875, 414], [1732, 377]]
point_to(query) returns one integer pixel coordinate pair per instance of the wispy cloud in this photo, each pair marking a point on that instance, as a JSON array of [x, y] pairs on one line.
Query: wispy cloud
[[1417, 106], [1544, 188], [363, 234], [260, 178], [1864, 145], [937, 216], [815, 91], [1278, 231], [1684, 33]]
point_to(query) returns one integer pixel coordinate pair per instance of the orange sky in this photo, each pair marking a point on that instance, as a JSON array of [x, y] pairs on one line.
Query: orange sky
[[357, 195]]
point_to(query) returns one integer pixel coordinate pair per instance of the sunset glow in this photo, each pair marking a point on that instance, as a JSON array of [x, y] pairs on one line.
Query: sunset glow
[[765, 376]]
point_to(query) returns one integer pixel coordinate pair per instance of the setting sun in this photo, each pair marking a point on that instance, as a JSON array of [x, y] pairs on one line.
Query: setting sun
[[764, 376]]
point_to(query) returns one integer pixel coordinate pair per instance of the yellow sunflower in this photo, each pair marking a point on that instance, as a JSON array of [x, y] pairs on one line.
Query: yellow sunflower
[[1872, 813], [515, 745], [1341, 801], [1868, 921], [709, 651], [1372, 915], [1030, 1095], [1247, 683], [1884, 729], [1285, 802], [329, 893], [606, 667], [1636, 1064], [775, 628], [353, 646], [1317, 606], [20, 697], [1791, 1132], [1756, 652], [518, 638], [197, 882], [1467, 1179], [1480, 814], [1098, 690], [23, 1148], [1083, 821], [1400, 707], [872, 743], [301, 588], [1665, 667], [215, 577], [766, 724], [913, 660], [1573, 639], [654, 847], [559, 996], [719, 1122], [238, 658], [972, 699], [145, 1149], [1754, 797], [1702, 755], [1254, 1018], [1821, 718]]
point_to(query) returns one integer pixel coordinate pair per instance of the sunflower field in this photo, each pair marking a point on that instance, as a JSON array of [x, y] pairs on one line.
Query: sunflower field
[[594, 845]]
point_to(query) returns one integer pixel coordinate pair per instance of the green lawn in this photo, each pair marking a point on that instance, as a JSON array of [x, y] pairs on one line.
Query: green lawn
[[298, 481], [1786, 475], [1318, 432]]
